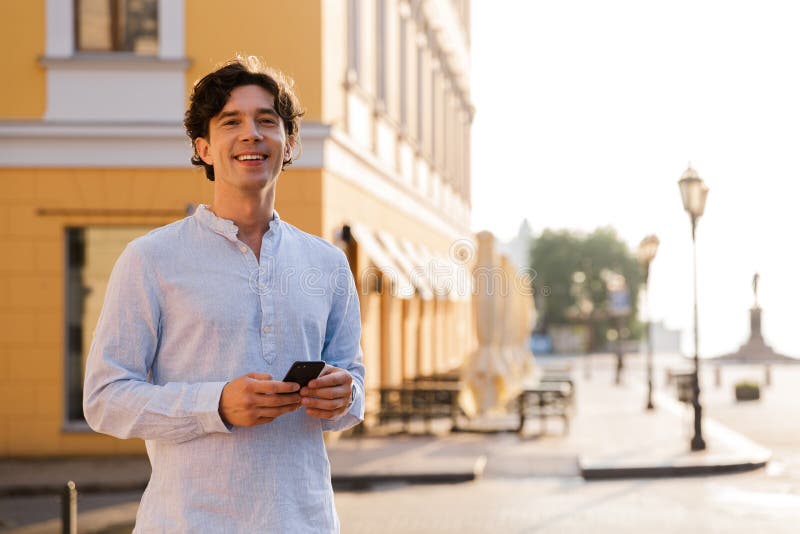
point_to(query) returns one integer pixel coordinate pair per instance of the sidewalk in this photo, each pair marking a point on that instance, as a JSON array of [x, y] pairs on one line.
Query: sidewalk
[[610, 436]]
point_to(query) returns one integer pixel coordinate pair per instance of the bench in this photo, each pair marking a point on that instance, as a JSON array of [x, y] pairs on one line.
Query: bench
[[419, 399], [547, 399], [566, 380]]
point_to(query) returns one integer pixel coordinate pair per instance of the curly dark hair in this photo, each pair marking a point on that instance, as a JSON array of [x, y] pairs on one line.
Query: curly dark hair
[[211, 93]]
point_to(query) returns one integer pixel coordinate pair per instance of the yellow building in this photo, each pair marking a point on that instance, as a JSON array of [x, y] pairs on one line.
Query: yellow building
[[93, 153]]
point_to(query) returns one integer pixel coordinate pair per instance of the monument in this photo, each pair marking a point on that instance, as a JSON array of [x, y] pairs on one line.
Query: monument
[[756, 349]]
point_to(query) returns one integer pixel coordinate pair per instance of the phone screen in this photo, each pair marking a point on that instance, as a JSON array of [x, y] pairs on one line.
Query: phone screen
[[304, 372]]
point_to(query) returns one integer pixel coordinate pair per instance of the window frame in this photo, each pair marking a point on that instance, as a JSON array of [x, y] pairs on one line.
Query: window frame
[[116, 32]]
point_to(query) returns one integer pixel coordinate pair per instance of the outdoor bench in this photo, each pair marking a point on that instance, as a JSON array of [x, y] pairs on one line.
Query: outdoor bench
[[547, 399], [424, 400]]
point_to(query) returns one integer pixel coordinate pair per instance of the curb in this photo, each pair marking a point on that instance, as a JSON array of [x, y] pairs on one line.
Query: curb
[[88, 487], [342, 481], [613, 473], [367, 480], [747, 455]]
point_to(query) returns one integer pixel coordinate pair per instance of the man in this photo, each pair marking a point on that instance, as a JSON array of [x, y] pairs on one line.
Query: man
[[203, 317]]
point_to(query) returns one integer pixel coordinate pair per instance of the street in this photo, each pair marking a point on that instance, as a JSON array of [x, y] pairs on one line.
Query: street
[[546, 495], [766, 500]]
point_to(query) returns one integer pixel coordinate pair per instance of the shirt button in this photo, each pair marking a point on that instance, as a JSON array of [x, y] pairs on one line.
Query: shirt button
[[266, 329], [243, 248]]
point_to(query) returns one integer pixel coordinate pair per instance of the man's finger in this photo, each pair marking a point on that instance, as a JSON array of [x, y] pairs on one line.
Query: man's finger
[[326, 393], [336, 378], [324, 404], [259, 376], [273, 386], [274, 400]]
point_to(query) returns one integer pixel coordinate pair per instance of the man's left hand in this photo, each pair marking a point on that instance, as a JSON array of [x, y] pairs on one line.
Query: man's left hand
[[328, 395]]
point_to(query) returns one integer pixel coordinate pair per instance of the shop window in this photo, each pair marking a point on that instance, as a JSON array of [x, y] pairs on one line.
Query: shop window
[[117, 26], [91, 253]]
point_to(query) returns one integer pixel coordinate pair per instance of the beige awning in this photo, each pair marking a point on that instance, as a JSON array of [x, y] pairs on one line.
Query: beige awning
[[400, 284], [407, 264], [451, 279], [426, 266]]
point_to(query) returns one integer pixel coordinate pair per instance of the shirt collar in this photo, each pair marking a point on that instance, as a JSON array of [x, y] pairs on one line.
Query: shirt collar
[[226, 227]]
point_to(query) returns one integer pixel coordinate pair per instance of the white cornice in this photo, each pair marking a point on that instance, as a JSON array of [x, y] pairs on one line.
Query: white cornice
[[75, 144], [116, 60], [48, 144]]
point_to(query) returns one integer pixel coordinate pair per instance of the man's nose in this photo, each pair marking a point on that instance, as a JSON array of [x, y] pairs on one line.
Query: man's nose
[[251, 131]]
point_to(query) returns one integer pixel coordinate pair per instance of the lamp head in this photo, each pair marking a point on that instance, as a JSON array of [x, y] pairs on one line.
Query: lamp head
[[693, 193]]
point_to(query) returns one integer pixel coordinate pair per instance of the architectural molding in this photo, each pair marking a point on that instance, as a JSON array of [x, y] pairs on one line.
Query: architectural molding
[[46, 144], [113, 145], [105, 61]]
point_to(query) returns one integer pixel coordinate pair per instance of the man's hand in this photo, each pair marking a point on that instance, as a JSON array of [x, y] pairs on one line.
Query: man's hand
[[328, 395], [256, 399]]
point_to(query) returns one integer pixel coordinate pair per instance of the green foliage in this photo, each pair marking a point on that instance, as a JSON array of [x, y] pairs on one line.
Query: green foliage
[[746, 390], [557, 254]]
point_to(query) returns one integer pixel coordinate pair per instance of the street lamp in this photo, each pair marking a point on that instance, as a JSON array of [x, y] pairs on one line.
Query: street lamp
[[618, 308], [693, 194], [581, 312], [645, 254]]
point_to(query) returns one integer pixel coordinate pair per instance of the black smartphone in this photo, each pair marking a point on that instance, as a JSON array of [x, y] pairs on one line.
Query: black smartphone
[[304, 372]]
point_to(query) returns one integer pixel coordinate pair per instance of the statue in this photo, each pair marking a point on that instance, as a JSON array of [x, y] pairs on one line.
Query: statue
[[756, 349], [755, 290]]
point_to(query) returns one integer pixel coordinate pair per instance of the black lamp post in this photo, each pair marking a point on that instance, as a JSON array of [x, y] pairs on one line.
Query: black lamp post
[[693, 194], [645, 253]]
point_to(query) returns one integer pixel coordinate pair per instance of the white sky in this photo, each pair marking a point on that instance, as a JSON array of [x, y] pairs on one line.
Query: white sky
[[589, 111]]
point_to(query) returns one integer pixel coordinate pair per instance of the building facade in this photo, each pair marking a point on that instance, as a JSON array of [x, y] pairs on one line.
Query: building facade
[[93, 154]]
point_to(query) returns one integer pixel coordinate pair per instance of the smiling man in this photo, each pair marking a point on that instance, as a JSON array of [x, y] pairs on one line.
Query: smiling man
[[204, 316]]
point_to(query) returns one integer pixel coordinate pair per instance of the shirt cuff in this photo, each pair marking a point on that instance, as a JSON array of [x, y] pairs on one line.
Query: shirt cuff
[[208, 396]]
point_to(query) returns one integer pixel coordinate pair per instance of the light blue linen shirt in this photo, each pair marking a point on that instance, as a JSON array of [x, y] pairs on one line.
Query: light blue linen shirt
[[188, 308]]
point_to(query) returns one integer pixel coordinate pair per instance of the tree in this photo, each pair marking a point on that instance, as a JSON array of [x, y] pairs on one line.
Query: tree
[[557, 255]]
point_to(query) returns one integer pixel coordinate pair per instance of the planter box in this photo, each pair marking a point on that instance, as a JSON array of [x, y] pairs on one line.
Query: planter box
[[747, 393]]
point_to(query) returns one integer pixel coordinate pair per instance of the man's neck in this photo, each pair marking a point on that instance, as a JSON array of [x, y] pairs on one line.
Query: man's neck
[[251, 212]]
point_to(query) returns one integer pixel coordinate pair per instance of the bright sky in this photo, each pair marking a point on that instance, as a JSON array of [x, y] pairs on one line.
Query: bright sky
[[588, 113]]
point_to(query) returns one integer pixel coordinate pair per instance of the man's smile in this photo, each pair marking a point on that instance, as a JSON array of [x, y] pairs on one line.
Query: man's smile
[[250, 157]]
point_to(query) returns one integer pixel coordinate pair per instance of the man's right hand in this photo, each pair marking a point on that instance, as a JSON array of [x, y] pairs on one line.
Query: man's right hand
[[257, 399]]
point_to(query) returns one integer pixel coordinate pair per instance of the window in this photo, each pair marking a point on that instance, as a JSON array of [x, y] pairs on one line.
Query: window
[[91, 254], [380, 48], [117, 26], [354, 39], [404, 72]]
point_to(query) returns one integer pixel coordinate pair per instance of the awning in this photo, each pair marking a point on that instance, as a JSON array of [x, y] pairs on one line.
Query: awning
[[413, 268], [400, 285], [409, 266], [450, 279]]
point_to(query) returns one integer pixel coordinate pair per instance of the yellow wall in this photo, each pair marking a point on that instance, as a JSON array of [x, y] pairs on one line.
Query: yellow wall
[[286, 34], [391, 339], [411, 313], [22, 27], [299, 199], [32, 271]]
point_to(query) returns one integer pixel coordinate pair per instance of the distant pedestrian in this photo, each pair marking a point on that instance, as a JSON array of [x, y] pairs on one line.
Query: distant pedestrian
[[204, 316]]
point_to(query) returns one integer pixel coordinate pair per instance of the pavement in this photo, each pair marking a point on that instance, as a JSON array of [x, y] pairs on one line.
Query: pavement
[[610, 436]]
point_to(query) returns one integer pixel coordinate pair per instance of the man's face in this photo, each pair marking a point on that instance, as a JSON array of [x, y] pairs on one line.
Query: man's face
[[246, 141]]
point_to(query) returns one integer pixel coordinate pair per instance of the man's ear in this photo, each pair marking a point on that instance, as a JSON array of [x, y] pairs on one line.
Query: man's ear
[[203, 150], [288, 150]]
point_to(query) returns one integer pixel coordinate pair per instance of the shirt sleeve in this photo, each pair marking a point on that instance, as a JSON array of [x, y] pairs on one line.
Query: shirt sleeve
[[118, 398], [342, 347]]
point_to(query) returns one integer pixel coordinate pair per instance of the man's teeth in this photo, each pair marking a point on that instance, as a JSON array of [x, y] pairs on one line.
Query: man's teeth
[[247, 157]]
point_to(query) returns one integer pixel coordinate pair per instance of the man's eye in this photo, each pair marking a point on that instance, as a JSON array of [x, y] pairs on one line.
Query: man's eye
[[267, 121], [230, 123]]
